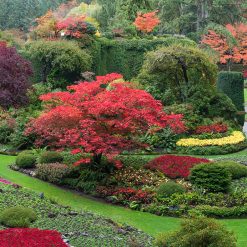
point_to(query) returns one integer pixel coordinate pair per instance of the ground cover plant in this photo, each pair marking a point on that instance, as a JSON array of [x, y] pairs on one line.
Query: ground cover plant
[[95, 231]]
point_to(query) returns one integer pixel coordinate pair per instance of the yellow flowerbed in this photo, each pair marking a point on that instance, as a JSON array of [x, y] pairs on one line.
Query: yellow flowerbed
[[235, 138]]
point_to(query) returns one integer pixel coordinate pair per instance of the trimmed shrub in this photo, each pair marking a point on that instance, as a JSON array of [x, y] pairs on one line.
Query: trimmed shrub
[[237, 170], [53, 173], [175, 166], [48, 157], [126, 56], [58, 62], [232, 84], [26, 159], [169, 188], [17, 217], [198, 232], [135, 161], [211, 177]]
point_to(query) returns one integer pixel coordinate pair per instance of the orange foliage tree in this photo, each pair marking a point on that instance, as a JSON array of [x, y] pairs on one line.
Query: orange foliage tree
[[229, 52], [146, 22]]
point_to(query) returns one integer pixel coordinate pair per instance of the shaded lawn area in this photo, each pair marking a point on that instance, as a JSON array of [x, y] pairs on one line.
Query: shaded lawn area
[[245, 95], [149, 223]]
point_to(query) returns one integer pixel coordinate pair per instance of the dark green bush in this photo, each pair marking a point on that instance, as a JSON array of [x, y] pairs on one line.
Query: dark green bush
[[211, 177], [53, 173], [17, 217], [126, 56], [58, 62], [135, 161], [26, 159], [48, 157], [198, 232], [232, 84], [169, 188], [237, 170]]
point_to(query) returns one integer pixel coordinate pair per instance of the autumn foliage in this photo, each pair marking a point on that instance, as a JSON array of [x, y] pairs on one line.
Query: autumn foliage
[[147, 22], [100, 117], [229, 53]]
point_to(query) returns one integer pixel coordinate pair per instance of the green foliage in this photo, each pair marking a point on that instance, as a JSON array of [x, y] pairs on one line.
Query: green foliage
[[211, 177], [21, 13], [126, 56], [177, 68], [197, 232], [26, 159], [232, 84], [53, 173], [212, 150], [169, 188], [17, 217], [58, 62], [48, 157], [136, 161], [164, 140], [237, 170]]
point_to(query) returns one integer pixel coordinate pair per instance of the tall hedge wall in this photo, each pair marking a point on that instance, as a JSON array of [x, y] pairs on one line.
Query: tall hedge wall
[[126, 56], [232, 84]]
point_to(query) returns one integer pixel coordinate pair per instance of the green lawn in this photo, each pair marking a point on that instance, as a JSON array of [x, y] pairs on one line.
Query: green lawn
[[245, 95], [149, 223]]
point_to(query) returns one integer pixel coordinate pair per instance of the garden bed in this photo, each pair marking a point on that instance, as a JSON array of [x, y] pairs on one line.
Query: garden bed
[[81, 228]]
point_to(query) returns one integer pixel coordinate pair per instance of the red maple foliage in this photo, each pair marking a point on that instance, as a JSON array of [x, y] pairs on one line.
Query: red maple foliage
[[147, 22], [26, 237], [213, 128], [229, 53], [175, 166], [100, 117]]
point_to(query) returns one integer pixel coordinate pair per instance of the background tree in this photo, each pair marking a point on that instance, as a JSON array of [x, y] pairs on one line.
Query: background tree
[[231, 45], [14, 75]]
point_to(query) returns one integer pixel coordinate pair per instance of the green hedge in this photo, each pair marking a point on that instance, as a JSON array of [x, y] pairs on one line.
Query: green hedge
[[232, 84], [126, 56]]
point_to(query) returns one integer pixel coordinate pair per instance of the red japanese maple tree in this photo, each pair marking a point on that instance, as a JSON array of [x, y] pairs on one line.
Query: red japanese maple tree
[[101, 118], [147, 22], [229, 53]]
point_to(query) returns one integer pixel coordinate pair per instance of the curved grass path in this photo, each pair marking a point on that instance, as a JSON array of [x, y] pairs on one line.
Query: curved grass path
[[149, 223]]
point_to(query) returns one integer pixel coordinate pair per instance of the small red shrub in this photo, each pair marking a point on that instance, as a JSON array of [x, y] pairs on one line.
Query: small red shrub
[[26, 237], [214, 128], [175, 166]]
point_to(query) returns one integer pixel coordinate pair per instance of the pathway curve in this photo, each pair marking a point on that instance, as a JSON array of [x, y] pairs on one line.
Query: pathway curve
[[149, 223]]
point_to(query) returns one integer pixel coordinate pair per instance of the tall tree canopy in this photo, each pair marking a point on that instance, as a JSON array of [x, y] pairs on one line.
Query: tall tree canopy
[[21, 13]]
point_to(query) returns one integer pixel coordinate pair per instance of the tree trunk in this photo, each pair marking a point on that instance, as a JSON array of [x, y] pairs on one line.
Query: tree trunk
[[97, 159]]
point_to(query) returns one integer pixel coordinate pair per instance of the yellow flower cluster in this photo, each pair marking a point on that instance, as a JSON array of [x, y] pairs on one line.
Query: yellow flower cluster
[[235, 138]]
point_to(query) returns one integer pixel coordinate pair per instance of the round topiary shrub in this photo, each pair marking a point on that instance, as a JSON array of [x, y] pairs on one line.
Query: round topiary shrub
[[17, 217], [198, 232], [26, 159], [237, 170], [211, 177], [169, 188], [50, 157]]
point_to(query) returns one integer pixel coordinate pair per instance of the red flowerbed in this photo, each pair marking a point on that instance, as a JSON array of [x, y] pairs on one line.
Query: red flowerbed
[[26, 237], [245, 74], [214, 128], [175, 166]]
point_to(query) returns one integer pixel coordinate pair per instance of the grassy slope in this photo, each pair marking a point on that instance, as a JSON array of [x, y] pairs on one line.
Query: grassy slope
[[149, 223]]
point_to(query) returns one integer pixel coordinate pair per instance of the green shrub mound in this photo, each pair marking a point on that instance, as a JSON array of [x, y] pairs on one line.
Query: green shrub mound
[[169, 188], [50, 157], [53, 173], [198, 232], [135, 161], [211, 177], [17, 217], [237, 170], [232, 84], [26, 159]]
